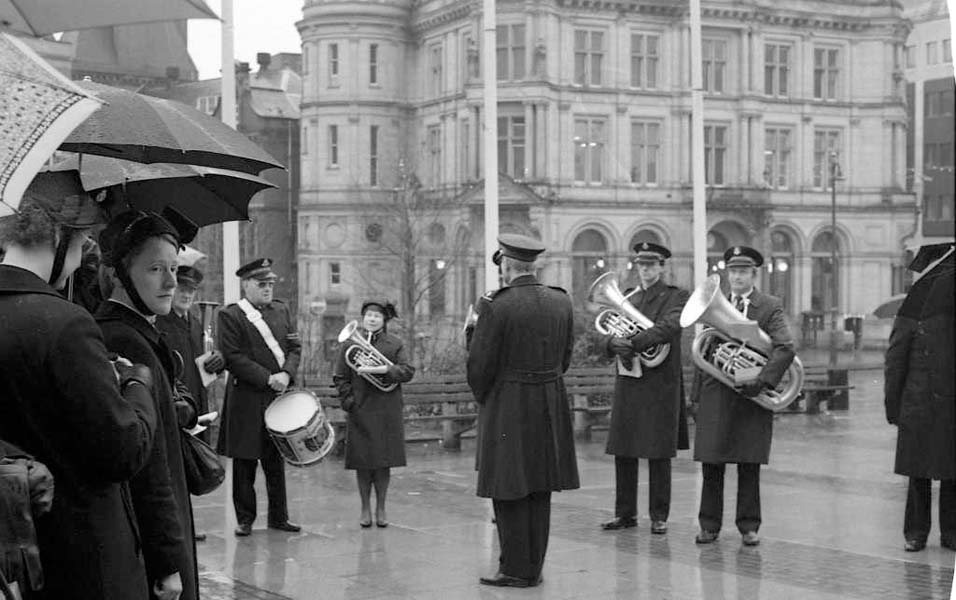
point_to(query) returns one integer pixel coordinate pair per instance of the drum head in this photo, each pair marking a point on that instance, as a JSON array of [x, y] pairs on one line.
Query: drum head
[[291, 411]]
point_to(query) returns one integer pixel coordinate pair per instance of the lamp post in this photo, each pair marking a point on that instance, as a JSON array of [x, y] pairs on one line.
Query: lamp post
[[835, 176]]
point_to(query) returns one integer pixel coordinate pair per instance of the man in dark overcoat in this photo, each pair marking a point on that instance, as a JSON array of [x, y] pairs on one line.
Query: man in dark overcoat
[[520, 349], [62, 404], [731, 427], [919, 396], [647, 413], [262, 361]]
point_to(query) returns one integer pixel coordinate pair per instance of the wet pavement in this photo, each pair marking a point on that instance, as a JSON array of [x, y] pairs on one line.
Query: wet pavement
[[832, 528]]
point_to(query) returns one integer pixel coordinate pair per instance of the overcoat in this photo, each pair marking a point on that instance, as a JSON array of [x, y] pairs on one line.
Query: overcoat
[[375, 437], [647, 415], [250, 363], [520, 349], [919, 381], [184, 335], [61, 403], [732, 428], [160, 495]]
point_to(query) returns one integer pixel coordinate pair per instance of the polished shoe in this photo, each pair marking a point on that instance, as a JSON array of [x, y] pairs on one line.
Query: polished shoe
[[243, 529], [365, 524], [536, 582], [914, 545], [658, 527], [751, 538], [619, 523], [199, 537], [285, 526], [381, 524], [706, 537], [502, 580]]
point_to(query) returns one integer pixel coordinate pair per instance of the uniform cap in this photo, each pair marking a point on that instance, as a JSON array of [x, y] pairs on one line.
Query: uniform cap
[[260, 268], [742, 256], [520, 247], [384, 306], [188, 276], [650, 252]]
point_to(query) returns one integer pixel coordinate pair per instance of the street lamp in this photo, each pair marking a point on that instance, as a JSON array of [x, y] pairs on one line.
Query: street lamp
[[835, 175]]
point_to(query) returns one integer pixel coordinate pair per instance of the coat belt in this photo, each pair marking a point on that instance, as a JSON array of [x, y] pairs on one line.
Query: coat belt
[[531, 376]]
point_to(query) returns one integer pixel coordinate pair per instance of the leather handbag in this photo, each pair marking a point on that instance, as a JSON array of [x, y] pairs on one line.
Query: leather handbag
[[204, 470]]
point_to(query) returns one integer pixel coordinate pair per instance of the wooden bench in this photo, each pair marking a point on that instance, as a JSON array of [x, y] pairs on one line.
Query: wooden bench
[[820, 386]]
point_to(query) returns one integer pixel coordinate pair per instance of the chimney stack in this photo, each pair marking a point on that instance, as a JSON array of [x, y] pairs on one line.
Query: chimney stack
[[264, 59]]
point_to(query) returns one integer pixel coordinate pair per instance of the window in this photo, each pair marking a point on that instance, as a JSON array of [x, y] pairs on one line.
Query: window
[[825, 275], [776, 75], [932, 104], [715, 65], [306, 48], [434, 154], [465, 146], [826, 73], [932, 53], [511, 145], [588, 56], [373, 64], [304, 142], [588, 260], [510, 52], [373, 155], [780, 266], [645, 56], [436, 83], [333, 145], [333, 64], [645, 152], [777, 153], [589, 150], [947, 50], [910, 57], [826, 147], [715, 154], [335, 273], [207, 104], [436, 287]]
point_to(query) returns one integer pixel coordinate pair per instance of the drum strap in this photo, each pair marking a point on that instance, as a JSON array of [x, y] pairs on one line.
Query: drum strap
[[255, 317]]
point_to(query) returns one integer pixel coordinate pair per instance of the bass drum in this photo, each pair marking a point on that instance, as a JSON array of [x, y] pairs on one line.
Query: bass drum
[[298, 426]]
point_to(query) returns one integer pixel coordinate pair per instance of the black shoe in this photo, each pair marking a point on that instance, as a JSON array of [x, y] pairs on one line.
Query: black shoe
[[199, 537], [619, 523], [285, 526], [658, 527], [536, 582], [914, 545], [243, 529], [706, 537], [502, 580], [381, 524], [751, 538]]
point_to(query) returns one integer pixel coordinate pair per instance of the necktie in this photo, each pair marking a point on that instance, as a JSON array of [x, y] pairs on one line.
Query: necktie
[[739, 304]]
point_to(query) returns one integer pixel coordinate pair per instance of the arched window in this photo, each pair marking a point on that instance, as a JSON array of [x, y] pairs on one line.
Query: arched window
[[825, 279], [588, 260], [717, 244], [780, 267]]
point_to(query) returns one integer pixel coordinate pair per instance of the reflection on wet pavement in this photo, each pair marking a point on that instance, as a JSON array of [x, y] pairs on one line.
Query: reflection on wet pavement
[[832, 511]]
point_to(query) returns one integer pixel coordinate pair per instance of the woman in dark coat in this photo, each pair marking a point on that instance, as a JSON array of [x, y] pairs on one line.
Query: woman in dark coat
[[140, 253], [375, 439], [920, 399]]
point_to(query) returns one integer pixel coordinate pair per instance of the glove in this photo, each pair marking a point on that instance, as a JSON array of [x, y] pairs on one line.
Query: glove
[[41, 487], [19, 553], [752, 388], [215, 363], [184, 405], [134, 374], [622, 348]]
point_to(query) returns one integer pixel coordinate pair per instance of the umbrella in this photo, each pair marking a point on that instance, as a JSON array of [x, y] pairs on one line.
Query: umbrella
[[43, 17], [204, 195], [38, 109], [889, 308], [151, 130], [189, 256]]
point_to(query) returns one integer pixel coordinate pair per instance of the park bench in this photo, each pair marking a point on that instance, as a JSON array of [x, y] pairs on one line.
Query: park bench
[[821, 384]]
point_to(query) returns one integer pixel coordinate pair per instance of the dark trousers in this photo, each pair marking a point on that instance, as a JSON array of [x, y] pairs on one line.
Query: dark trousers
[[523, 527], [244, 491], [659, 482], [919, 502], [711, 514]]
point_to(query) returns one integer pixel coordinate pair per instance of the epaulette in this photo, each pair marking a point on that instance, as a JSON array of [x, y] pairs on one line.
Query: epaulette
[[490, 294], [560, 289]]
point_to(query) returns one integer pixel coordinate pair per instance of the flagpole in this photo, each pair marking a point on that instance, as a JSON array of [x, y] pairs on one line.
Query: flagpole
[[490, 77], [697, 147]]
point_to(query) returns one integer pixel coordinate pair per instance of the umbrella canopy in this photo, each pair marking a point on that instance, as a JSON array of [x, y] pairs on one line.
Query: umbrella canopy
[[151, 130], [43, 17], [204, 195], [889, 308], [39, 107]]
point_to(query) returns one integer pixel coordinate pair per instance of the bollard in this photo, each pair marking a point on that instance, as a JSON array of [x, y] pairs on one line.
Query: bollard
[[582, 419]]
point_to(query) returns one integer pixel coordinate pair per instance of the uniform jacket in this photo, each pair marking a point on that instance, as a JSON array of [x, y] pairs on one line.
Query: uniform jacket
[[732, 428], [520, 349], [376, 426], [647, 415], [185, 336], [61, 403], [919, 382], [250, 363], [160, 496]]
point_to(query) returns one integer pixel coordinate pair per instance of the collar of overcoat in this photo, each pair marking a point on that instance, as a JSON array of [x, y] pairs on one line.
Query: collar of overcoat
[[14, 280], [115, 311], [522, 280]]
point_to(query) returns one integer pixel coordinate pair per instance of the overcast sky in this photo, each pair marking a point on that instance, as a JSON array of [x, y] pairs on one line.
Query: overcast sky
[[260, 26]]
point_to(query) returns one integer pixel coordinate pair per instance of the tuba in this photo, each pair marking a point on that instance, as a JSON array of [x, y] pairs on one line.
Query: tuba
[[620, 319], [732, 347], [362, 353]]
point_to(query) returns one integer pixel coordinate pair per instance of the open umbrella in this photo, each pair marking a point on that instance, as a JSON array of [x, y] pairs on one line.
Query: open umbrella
[[204, 195], [151, 130], [889, 308], [43, 17], [39, 107]]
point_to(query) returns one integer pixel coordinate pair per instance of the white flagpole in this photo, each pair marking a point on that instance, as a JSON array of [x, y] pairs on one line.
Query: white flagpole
[[697, 147], [490, 77]]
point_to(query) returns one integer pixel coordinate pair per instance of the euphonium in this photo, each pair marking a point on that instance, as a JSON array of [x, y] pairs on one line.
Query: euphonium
[[620, 319], [363, 354], [732, 343]]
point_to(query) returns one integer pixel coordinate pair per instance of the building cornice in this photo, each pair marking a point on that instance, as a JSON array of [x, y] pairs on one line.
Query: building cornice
[[422, 22]]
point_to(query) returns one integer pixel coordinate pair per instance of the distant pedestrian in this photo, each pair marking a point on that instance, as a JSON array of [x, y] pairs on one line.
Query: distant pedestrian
[[920, 399]]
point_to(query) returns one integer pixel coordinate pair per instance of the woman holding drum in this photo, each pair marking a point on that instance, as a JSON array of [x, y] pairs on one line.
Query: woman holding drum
[[368, 374]]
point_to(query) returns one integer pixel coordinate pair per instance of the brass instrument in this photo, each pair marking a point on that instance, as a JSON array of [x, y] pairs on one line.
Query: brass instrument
[[363, 354], [620, 319], [471, 319], [206, 311], [732, 347]]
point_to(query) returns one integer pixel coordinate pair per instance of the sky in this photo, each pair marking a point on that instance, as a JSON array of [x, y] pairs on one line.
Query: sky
[[260, 26]]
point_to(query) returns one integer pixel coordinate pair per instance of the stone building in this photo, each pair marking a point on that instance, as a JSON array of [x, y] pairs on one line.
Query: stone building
[[594, 143]]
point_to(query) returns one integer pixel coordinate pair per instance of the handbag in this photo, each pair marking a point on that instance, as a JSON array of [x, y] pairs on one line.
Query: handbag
[[204, 470]]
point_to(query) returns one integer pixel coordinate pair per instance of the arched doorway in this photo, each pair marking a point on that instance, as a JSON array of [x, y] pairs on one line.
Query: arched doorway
[[781, 267], [588, 260], [825, 275]]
